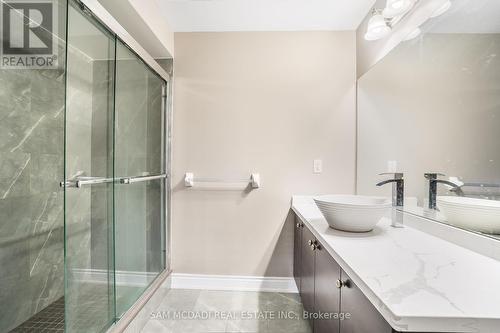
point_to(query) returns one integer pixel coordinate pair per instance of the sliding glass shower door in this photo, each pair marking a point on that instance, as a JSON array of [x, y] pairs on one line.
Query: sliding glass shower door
[[89, 195], [139, 198], [115, 175]]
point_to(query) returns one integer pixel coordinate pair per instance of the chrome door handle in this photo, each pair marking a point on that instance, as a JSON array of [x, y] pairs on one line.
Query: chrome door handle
[[79, 182], [138, 179]]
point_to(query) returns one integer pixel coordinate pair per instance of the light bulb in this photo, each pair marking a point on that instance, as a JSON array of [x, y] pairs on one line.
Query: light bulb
[[377, 28], [395, 8]]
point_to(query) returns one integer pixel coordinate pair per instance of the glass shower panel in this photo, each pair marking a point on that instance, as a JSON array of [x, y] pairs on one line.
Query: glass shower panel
[[90, 295], [139, 208]]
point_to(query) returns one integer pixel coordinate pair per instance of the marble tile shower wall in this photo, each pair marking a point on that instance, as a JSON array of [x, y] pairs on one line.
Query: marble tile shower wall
[[31, 202]]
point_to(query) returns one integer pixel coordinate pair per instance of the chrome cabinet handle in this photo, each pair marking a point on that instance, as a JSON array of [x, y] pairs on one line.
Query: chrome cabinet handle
[[313, 244], [339, 283], [138, 179]]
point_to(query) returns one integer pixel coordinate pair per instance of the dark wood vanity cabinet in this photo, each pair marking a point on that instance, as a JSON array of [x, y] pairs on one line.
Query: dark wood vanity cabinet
[[297, 243], [325, 288], [306, 267]]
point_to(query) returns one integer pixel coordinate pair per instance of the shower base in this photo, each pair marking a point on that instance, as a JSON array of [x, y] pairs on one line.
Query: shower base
[[50, 319]]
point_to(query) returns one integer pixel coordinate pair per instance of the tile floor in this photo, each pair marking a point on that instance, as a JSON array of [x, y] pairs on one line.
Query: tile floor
[[207, 311], [88, 309], [50, 319]]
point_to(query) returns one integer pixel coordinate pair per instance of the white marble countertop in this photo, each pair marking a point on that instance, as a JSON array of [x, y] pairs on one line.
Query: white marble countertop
[[418, 282]]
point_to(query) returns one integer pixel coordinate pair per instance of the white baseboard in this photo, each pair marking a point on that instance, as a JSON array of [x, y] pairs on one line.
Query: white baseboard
[[234, 283], [193, 281], [122, 278]]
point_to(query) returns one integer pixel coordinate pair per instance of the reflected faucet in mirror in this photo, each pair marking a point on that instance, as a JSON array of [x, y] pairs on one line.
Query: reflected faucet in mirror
[[433, 178], [398, 187]]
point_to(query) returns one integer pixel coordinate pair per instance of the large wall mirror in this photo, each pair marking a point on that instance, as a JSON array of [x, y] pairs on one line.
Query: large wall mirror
[[432, 106]]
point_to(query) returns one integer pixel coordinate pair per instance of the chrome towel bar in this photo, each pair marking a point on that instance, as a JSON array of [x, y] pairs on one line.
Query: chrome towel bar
[[214, 183]]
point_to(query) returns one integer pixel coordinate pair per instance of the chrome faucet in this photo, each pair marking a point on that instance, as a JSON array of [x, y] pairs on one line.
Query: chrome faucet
[[433, 181], [398, 188]]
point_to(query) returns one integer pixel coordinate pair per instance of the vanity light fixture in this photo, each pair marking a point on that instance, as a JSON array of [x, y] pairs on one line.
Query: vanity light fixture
[[441, 10], [414, 34], [378, 27], [382, 21], [395, 8]]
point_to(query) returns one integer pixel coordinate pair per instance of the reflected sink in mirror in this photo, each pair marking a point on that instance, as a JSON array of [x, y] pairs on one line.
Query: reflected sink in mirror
[[353, 213], [476, 214]]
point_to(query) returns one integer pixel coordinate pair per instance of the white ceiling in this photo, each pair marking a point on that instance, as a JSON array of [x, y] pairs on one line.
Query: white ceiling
[[264, 15]]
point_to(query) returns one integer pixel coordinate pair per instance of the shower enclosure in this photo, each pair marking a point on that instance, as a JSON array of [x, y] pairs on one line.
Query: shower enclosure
[[84, 192]]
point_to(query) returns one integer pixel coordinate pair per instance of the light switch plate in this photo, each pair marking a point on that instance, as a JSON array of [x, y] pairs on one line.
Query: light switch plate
[[318, 166]]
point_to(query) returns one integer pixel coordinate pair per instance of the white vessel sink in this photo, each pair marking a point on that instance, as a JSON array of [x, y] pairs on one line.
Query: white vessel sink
[[471, 213], [353, 213]]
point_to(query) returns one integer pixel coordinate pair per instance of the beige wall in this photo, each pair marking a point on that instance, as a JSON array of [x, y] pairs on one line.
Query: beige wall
[[267, 102], [432, 105]]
